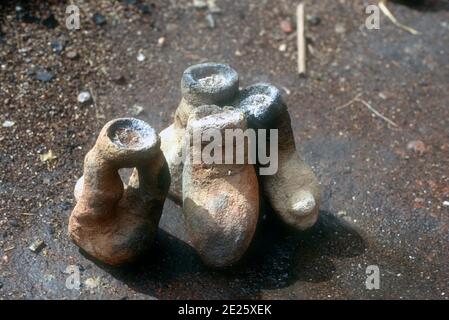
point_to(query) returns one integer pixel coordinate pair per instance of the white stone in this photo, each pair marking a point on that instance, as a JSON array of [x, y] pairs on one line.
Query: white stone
[[8, 124], [84, 97], [141, 57]]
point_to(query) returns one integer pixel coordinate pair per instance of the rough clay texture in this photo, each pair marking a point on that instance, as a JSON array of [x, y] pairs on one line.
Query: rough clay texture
[[202, 84], [220, 201], [293, 191], [113, 223], [171, 145]]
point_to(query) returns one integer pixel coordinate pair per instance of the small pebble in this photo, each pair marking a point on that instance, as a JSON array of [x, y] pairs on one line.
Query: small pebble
[[286, 26], [44, 76], [140, 57], [161, 41], [72, 54], [210, 21], [84, 97], [8, 124], [57, 46], [313, 20], [417, 146], [283, 47], [340, 28], [445, 203], [14, 223], [99, 19], [37, 246]]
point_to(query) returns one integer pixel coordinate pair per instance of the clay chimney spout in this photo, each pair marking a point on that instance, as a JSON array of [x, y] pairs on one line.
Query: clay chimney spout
[[220, 200], [202, 84], [261, 103], [293, 191], [209, 83], [113, 222]]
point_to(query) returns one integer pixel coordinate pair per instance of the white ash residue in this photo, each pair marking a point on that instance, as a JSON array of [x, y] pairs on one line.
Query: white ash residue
[[134, 135], [256, 104], [212, 81]]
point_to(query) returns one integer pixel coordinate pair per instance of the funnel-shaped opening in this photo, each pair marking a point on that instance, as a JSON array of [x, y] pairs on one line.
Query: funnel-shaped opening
[[209, 83], [262, 103], [132, 134]]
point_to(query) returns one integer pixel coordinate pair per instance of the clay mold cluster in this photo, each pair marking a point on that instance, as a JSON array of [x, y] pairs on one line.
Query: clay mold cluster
[[116, 222]]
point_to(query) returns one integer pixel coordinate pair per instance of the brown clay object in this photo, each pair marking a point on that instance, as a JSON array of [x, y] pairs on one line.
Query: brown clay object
[[112, 222], [202, 84], [293, 191], [220, 201]]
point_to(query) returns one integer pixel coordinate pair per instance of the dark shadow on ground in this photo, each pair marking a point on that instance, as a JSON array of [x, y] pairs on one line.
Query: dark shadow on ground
[[278, 257]]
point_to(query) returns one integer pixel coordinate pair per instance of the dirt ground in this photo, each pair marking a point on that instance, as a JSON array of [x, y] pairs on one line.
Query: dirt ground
[[384, 187]]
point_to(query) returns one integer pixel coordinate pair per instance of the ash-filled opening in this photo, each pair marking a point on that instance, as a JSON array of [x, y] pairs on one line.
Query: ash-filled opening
[[261, 101], [127, 137], [210, 78], [212, 81], [132, 134]]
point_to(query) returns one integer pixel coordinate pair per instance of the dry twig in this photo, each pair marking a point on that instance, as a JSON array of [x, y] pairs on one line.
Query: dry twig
[[377, 113], [301, 39], [371, 108], [350, 102], [387, 12]]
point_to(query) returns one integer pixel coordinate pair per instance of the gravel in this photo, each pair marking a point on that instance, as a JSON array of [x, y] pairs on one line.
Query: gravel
[[84, 97], [99, 19], [44, 76]]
